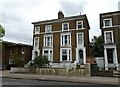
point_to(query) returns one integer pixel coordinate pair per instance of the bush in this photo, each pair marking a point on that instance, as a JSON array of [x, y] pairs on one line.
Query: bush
[[40, 61]]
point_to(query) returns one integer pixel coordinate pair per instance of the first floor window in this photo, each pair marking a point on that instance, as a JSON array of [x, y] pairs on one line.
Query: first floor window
[[108, 37], [48, 41], [36, 42], [65, 40], [80, 38]]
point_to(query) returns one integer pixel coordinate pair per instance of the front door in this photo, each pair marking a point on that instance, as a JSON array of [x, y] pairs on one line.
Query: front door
[[80, 56]]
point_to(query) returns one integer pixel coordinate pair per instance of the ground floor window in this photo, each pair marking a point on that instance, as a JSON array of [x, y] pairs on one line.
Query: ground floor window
[[11, 60], [65, 54], [48, 53]]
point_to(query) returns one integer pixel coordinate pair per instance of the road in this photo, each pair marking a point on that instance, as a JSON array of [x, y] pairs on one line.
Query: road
[[7, 82]]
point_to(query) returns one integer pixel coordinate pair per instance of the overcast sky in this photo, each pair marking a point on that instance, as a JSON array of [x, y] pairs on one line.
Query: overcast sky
[[16, 15]]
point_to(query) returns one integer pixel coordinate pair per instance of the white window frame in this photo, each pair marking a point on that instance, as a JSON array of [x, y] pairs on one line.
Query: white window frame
[[68, 41], [48, 28], [105, 36], [77, 25], [69, 54], [80, 44], [36, 47], [50, 57], [46, 42], [67, 26], [110, 22], [37, 31]]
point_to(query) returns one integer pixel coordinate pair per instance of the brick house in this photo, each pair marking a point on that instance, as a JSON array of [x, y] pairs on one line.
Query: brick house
[[13, 53], [110, 27], [62, 40]]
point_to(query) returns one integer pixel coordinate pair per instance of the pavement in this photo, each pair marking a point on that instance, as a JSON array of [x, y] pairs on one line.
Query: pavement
[[81, 79]]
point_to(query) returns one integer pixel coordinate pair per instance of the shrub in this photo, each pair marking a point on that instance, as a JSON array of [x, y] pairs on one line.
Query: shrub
[[40, 61]]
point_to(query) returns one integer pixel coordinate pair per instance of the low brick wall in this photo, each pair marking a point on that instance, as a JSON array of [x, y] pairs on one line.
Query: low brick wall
[[83, 70]]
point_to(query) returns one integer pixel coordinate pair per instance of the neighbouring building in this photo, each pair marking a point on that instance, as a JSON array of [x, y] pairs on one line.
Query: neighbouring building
[[62, 40], [15, 53], [110, 27]]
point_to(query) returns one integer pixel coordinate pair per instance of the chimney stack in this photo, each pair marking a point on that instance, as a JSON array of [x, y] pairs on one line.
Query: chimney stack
[[60, 14]]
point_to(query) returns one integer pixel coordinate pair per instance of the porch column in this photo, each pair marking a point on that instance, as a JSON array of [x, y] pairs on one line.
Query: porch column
[[116, 59], [77, 55], [106, 59], [84, 55]]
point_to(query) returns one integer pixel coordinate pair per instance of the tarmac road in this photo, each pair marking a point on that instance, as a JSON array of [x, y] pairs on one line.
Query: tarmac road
[[8, 82]]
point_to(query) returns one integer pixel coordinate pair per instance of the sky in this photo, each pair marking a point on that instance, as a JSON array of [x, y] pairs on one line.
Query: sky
[[16, 16]]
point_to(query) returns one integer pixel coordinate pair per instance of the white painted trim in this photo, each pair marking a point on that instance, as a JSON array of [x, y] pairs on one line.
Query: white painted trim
[[60, 20], [33, 51], [50, 26], [67, 54], [77, 25], [38, 32], [80, 45], [50, 35], [60, 31], [104, 22], [36, 47], [105, 36], [67, 33], [63, 26], [48, 49], [84, 54]]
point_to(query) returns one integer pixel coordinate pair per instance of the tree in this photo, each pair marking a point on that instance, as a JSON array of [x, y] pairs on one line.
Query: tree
[[40, 61], [97, 46], [2, 31]]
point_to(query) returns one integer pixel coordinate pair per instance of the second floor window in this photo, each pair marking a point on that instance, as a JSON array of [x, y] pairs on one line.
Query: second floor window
[[65, 26], [65, 40], [48, 41], [107, 22], [37, 30], [109, 37], [79, 24], [48, 28]]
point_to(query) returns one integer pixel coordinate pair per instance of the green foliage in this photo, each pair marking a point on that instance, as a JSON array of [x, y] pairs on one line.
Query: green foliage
[[2, 31], [98, 49], [40, 61]]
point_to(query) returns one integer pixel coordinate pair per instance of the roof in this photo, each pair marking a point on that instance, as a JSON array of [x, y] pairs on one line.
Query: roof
[[62, 19], [14, 44], [110, 12]]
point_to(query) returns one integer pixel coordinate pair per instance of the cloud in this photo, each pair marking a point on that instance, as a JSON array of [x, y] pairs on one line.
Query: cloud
[[73, 7]]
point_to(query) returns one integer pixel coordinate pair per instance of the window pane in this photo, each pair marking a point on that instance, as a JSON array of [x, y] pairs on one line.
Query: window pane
[[46, 53], [64, 51], [108, 37], [107, 22], [79, 25], [65, 26], [79, 38]]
